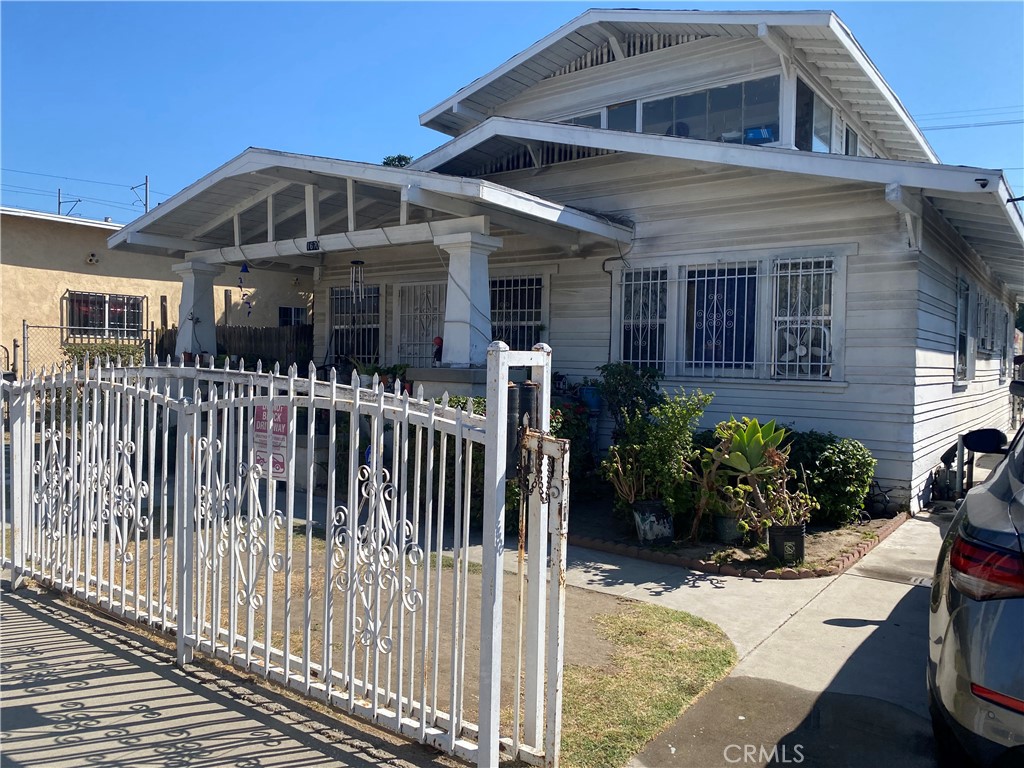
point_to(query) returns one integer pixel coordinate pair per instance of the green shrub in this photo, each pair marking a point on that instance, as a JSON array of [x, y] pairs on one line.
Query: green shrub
[[131, 353], [625, 389], [570, 421], [839, 473]]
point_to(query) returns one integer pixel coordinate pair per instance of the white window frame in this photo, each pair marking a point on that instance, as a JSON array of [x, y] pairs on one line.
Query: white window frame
[[539, 322], [333, 326], [964, 363], [400, 354], [763, 366], [641, 102]]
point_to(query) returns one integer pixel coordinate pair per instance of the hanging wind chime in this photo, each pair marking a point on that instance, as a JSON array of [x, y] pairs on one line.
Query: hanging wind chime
[[241, 287], [356, 279]]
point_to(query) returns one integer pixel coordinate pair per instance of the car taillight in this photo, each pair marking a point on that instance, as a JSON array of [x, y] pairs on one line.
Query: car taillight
[[984, 572], [998, 698]]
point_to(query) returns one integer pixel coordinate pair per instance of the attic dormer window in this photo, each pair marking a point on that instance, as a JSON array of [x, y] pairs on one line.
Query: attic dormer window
[[813, 120], [740, 113], [591, 121]]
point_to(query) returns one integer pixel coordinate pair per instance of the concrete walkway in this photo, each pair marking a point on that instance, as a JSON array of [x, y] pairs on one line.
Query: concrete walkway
[[77, 692], [831, 670]]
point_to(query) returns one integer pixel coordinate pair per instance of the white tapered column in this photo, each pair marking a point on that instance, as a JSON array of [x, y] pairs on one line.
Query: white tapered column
[[197, 332], [467, 314]]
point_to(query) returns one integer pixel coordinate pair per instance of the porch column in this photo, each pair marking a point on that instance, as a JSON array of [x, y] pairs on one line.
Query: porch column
[[467, 312], [196, 319]]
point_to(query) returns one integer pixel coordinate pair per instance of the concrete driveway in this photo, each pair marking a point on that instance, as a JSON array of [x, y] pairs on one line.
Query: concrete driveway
[[831, 671]]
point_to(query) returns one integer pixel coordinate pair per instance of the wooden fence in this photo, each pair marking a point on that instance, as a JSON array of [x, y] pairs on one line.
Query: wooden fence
[[287, 345]]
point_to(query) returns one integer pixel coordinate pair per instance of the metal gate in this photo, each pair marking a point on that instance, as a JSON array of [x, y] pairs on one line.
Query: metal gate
[[319, 534]]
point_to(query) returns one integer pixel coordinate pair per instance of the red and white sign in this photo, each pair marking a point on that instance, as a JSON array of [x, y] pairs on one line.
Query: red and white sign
[[270, 441]]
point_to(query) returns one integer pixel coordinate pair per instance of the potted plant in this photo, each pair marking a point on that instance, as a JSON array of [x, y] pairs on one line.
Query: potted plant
[[590, 395], [650, 466], [365, 371], [785, 516], [733, 473]]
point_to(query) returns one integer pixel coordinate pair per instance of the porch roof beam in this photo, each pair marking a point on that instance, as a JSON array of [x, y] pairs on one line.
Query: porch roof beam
[[294, 250], [426, 199], [239, 208], [164, 242]]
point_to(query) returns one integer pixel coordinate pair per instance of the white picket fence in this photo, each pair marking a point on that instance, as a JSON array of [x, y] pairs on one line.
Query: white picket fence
[[315, 533]]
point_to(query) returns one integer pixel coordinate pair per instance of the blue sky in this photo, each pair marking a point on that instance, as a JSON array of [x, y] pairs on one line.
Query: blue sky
[[111, 92]]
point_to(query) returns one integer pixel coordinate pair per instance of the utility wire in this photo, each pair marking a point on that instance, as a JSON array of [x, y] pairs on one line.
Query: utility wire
[[85, 181], [17, 189], [1014, 107], [970, 125]]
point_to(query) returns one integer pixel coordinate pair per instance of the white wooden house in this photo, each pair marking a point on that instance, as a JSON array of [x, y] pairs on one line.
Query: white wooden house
[[737, 198]]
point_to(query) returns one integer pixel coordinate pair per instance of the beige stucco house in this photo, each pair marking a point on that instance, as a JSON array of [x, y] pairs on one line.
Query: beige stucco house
[[59, 278]]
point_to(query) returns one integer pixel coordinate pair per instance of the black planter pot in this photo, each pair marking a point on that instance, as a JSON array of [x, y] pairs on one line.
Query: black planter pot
[[654, 526], [727, 529], [786, 543]]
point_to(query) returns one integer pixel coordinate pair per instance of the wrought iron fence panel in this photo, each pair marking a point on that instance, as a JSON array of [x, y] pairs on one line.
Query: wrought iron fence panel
[[315, 533]]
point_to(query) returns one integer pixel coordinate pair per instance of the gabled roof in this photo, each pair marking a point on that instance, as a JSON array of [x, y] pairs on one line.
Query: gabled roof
[[816, 39], [228, 208], [973, 200]]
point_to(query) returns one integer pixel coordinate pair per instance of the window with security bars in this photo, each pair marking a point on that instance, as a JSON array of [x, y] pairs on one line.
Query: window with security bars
[[644, 317], [516, 310], [420, 319], [355, 324], [104, 315], [720, 317], [802, 326], [962, 364]]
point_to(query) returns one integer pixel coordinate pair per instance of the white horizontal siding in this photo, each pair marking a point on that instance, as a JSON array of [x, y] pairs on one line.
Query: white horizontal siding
[[687, 67], [943, 408]]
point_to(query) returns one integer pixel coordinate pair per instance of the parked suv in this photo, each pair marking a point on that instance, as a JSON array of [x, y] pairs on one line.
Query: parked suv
[[976, 621]]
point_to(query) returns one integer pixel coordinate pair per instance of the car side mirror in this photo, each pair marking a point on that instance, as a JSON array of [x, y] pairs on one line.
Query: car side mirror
[[985, 441], [1017, 388]]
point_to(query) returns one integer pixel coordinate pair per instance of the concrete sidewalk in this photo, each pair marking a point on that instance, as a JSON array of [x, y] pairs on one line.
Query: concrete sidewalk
[[77, 692], [831, 670]]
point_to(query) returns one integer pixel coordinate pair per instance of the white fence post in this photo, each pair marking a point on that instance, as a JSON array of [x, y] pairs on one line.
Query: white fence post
[[536, 575], [21, 478], [184, 509], [493, 547]]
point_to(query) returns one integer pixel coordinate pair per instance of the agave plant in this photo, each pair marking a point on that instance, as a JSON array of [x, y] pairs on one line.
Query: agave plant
[[753, 450]]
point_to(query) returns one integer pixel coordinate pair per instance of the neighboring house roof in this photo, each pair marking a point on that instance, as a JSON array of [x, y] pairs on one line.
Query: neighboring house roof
[[816, 39], [202, 216], [21, 212], [972, 200]]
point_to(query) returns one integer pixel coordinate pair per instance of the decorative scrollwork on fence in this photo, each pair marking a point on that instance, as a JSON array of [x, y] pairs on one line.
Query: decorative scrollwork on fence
[[53, 491], [254, 539], [374, 573], [120, 496]]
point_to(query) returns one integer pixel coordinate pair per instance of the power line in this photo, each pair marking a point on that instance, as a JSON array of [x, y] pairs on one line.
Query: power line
[[47, 193], [979, 111], [970, 125], [84, 181]]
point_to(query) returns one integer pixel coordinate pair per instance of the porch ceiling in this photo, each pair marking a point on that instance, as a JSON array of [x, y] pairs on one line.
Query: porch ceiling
[[354, 205]]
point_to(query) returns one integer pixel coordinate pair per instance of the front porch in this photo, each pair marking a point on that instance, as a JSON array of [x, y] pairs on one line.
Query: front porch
[[412, 269]]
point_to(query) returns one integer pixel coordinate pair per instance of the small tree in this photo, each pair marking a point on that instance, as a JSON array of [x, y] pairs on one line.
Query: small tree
[[396, 161]]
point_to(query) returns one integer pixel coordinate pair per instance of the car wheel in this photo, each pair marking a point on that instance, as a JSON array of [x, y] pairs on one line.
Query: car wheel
[[948, 751]]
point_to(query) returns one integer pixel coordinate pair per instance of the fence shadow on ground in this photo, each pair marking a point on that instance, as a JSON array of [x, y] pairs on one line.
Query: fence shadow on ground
[[76, 694]]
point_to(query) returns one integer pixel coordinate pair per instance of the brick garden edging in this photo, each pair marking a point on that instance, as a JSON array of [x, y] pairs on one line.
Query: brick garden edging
[[708, 566]]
